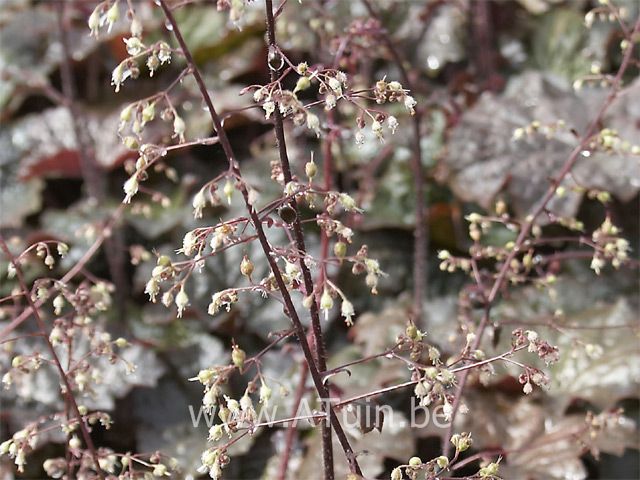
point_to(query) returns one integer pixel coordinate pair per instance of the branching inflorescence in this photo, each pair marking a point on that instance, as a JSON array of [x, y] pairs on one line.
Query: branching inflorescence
[[296, 279]]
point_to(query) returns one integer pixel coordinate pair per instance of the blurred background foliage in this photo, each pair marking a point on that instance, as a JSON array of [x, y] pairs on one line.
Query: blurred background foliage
[[476, 82]]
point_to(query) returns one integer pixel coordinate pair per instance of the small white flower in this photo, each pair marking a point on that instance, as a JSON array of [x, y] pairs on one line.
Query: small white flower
[[134, 45], [199, 202], [409, 104], [313, 123], [182, 300], [189, 243], [597, 264], [392, 123], [94, 21], [164, 53], [335, 85], [376, 127], [130, 188], [326, 303], [152, 289], [120, 74], [112, 16], [347, 311], [258, 95], [269, 107], [330, 102], [179, 127]]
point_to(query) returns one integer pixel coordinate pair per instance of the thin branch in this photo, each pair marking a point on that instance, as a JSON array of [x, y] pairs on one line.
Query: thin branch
[[321, 354], [105, 231], [527, 226], [420, 233], [290, 310], [67, 390]]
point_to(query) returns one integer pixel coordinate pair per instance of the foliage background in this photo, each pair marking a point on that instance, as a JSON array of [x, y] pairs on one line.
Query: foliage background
[[478, 82]]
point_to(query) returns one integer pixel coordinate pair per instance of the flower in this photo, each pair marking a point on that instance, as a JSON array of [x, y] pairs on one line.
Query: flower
[[302, 84], [130, 188], [94, 21], [269, 107], [335, 85], [189, 243], [310, 169], [326, 303], [392, 123], [112, 16], [376, 128], [120, 74], [330, 102], [134, 45], [409, 104], [313, 123], [182, 300], [178, 127], [347, 311], [199, 202]]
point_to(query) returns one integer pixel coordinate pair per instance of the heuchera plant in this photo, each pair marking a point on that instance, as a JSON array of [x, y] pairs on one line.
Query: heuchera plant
[[330, 105]]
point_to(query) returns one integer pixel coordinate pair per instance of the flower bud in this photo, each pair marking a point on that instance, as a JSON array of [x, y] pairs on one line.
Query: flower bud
[[130, 188], [49, 261], [149, 112], [179, 127], [228, 190], [326, 302], [392, 123], [246, 267], [340, 249], [182, 300], [58, 304], [238, 356], [310, 169], [302, 84], [94, 21], [136, 28], [415, 461], [112, 15], [160, 470], [265, 393]]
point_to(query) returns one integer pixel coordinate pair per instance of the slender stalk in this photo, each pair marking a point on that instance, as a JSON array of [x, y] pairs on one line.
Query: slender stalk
[[420, 233], [92, 174], [105, 231], [527, 226], [290, 310], [67, 390], [321, 354], [291, 429]]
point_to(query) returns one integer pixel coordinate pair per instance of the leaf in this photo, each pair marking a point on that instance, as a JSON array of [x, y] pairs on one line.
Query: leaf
[[558, 41], [540, 442], [484, 160], [598, 364]]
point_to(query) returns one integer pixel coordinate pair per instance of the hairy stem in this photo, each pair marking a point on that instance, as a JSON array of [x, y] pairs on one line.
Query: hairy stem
[[321, 354], [290, 310]]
